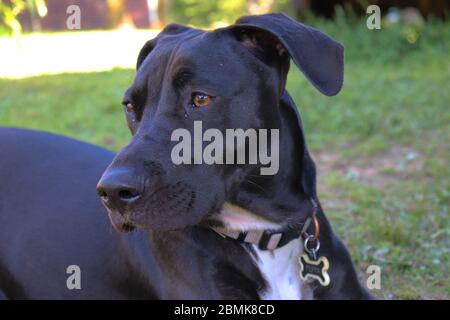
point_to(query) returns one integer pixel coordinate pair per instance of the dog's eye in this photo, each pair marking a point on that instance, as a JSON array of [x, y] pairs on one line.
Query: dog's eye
[[201, 99], [129, 107]]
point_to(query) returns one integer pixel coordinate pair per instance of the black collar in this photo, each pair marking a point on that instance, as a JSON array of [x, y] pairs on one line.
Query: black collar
[[265, 239]]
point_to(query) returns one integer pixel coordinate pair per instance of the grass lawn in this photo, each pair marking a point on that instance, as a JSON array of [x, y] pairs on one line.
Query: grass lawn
[[381, 147]]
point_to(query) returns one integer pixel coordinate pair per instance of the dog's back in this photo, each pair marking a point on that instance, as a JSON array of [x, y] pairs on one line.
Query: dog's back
[[50, 219]]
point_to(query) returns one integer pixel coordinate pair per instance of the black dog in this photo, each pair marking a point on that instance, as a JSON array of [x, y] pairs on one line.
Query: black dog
[[232, 77]]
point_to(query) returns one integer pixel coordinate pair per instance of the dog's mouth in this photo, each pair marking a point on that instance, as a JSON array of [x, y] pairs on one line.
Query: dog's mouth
[[131, 220], [130, 226], [169, 207], [127, 227], [120, 224]]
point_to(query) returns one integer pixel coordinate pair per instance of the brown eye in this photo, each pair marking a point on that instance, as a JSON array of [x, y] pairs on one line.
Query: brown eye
[[201, 100], [129, 107]]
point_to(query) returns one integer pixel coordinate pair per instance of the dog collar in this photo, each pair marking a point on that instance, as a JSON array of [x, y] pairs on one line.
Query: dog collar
[[265, 239]]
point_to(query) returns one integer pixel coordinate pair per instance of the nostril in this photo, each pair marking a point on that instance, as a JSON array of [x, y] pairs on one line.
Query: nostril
[[128, 194], [102, 194], [119, 188]]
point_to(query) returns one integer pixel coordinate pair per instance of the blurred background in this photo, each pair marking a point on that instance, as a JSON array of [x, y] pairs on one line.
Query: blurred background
[[381, 145]]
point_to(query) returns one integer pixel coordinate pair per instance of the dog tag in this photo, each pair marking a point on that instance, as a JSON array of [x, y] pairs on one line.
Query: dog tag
[[311, 269]]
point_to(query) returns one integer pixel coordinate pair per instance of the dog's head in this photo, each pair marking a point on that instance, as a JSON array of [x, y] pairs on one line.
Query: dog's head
[[228, 78]]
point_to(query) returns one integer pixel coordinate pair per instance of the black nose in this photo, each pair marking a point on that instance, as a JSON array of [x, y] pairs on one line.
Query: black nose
[[118, 188]]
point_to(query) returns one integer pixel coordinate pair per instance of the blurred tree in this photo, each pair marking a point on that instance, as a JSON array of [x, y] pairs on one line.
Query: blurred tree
[[259, 6], [162, 7], [11, 9], [116, 14], [121, 12], [328, 8], [213, 13], [157, 13], [206, 13]]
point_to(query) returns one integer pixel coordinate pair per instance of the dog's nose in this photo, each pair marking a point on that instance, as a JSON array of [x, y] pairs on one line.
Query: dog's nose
[[119, 188]]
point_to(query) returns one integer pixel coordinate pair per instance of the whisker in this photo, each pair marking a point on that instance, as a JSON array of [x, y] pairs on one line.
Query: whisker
[[257, 185]]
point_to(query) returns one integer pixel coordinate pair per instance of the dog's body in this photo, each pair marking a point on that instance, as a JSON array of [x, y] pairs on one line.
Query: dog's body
[[61, 223], [50, 218]]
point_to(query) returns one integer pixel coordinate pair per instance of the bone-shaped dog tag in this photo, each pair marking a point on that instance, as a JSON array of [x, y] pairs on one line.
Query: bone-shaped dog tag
[[311, 269]]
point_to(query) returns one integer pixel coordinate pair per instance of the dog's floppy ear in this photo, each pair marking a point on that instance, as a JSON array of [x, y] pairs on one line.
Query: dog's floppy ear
[[319, 57], [307, 166]]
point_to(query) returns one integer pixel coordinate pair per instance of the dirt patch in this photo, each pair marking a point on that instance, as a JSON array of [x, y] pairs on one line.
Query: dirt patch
[[399, 163]]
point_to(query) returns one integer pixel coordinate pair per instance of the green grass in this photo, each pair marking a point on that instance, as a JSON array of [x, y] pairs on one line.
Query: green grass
[[86, 106], [381, 145]]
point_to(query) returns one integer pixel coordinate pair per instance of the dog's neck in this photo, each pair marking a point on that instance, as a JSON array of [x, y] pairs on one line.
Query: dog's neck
[[278, 265]]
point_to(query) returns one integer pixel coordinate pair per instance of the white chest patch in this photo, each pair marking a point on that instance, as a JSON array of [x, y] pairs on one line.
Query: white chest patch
[[281, 270]]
